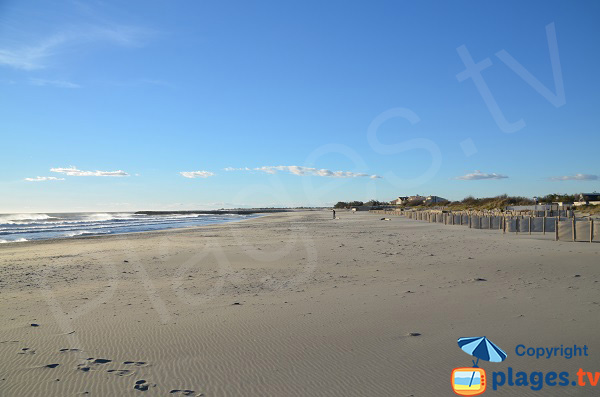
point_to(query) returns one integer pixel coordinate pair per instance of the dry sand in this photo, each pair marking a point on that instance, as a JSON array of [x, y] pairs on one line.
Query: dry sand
[[292, 304]]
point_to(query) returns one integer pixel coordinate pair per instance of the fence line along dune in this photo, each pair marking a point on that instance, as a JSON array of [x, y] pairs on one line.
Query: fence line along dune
[[562, 224]]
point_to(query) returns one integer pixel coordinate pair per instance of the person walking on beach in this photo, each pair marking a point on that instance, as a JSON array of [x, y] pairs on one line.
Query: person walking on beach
[[333, 214]]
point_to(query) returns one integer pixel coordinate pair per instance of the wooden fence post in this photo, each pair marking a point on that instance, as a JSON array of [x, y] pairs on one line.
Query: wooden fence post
[[556, 229], [544, 224], [574, 232], [530, 224], [591, 230]]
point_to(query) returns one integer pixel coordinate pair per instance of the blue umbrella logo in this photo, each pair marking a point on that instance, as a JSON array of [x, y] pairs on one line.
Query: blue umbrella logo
[[482, 348]]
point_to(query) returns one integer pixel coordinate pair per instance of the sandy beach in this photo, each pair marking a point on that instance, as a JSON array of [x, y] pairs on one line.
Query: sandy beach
[[290, 304]]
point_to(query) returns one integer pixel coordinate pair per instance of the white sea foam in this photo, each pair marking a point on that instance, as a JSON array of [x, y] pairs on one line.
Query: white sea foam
[[20, 240], [18, 218], [81, 233], [107, 217]]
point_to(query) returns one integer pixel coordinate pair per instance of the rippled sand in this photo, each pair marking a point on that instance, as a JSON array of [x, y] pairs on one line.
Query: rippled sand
[[293, 304]]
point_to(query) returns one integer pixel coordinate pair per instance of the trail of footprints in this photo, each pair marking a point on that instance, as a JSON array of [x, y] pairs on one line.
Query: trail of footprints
[[92, 364]]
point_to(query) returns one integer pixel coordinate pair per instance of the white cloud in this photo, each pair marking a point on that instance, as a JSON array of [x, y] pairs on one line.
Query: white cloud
[[576, 177], [478, 175], [44, 178], [237, 169], [54, 83], [300, 170], [31, 56], [197, 174], [73, 171]]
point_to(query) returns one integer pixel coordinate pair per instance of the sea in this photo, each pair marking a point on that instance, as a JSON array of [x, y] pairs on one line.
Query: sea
[[28, 227]]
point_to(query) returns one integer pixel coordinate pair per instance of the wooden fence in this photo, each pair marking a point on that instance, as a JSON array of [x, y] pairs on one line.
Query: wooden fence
[[563, 229]]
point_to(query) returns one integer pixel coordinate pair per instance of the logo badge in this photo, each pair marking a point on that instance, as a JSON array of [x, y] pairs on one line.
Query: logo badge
[[471, 381], [468, 381]]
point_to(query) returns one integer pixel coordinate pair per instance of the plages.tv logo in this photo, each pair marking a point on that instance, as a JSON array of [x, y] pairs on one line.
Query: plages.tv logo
[[472, 381]]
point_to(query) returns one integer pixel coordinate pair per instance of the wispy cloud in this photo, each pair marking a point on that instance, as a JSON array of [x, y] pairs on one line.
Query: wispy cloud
[[44, 178], [53, 83], [237, 169], [73, 171], [300, 170], [576, 177], [478, 175], [37, 55], [32, 56], [196, 174]]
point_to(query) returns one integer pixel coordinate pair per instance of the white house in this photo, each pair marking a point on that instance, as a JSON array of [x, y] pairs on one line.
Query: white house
[[400, 200]]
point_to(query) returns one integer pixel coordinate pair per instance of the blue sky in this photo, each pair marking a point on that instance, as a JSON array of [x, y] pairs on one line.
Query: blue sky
[[207, 104]]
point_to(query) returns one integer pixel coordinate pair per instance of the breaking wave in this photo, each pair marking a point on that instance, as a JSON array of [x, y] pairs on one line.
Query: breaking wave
[[25, 227]]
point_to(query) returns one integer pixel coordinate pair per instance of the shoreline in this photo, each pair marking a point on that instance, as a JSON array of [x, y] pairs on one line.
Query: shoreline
[[99, 236]]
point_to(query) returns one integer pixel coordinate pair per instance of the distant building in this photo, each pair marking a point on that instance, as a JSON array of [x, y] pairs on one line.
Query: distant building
[[400, 200], [416, 199], [589, 199], [563, 204], [434, 199]]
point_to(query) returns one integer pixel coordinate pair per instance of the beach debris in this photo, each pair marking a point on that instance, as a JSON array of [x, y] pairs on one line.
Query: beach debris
[[126, 261], [577, 275], [479, 279], [52, 365], [385, 219], [236, 304], [414, 334], [34, 325]]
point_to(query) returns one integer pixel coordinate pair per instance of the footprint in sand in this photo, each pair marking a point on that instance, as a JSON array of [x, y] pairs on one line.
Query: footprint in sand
[[92, 362], [100, 361], [65, 350], [83, 367], [26, 350], [185, 392], [51, 365], [136, 363], [142, 385], [121, 372]]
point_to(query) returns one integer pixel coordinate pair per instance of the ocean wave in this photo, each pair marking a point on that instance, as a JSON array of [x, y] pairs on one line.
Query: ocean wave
[[71, 225], [24, 218], [20, 240], [103, 216], [82, 233]]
